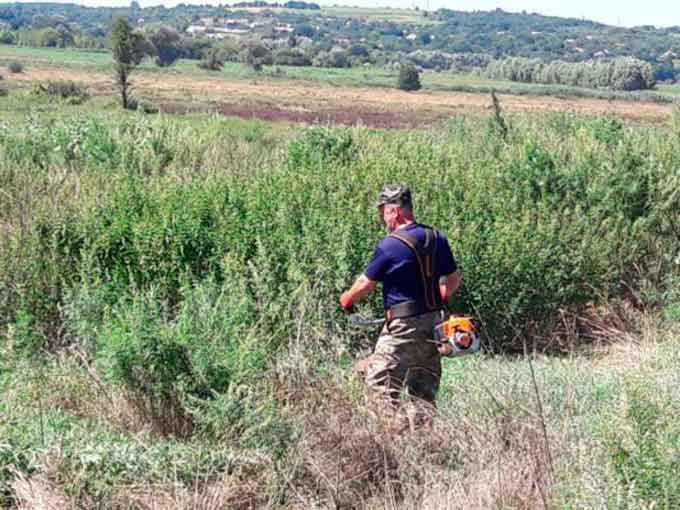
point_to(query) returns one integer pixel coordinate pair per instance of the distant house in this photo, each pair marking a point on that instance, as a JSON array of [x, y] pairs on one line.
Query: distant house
[[284, 28], [232, 31], [667, 56], [196, 29]]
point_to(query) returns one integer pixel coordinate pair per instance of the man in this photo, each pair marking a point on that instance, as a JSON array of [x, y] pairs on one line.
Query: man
[[419, 274]]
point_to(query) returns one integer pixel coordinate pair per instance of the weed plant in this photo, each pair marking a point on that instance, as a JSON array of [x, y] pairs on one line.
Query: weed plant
[[70, 91]]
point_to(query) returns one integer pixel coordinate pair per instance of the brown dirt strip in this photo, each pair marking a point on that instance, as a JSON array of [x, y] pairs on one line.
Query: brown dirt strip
[[308, 101]]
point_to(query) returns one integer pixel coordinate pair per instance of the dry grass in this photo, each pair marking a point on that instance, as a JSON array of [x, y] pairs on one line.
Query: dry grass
[[230, 492], [348, 458], [304, 99], [502, 445], [45, 491], [38, 492]]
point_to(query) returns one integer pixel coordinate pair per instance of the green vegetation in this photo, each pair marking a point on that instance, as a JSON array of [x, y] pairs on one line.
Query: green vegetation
[[169, 325], [128, 49], [372, 76], [409, 78], [212, 60], [617, 74], [72, 92], [330, 37]]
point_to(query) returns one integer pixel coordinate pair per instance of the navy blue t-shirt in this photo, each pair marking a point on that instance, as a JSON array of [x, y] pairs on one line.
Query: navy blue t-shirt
[[395, 265]]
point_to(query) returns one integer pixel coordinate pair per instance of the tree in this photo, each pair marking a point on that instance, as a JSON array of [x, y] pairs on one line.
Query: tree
[[409, 77], [212, 60], [256, 55], [333, 58], [129, 48], [305, 30], [166, 42]]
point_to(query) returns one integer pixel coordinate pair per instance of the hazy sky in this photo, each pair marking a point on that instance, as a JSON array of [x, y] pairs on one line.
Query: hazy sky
[[621, 12]]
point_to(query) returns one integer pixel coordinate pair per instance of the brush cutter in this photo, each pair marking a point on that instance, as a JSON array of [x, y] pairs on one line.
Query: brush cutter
[[456, 336]]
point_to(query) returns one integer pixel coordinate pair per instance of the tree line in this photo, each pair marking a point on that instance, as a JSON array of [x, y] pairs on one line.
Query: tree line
[[624, 73], [497, 33]]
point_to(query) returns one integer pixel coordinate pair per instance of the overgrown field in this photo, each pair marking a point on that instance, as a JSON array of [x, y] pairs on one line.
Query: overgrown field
[[171, 338]]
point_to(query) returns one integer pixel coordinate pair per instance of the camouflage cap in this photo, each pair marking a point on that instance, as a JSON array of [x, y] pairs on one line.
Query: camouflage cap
[[394, 194]]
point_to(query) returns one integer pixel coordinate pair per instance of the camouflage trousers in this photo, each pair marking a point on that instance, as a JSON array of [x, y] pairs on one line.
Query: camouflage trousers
[[403, 372]]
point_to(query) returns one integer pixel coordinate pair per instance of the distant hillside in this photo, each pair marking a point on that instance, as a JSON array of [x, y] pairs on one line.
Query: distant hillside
[[532, 35], [341, 37]]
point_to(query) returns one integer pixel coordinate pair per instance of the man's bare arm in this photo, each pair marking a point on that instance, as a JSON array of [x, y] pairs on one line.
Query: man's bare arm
[[448, 284], [359, 289]]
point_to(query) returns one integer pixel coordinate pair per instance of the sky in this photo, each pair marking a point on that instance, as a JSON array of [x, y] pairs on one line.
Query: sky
[[613, 12]]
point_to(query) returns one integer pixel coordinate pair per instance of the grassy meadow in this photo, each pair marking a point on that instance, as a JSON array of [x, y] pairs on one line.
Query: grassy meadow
[[170, 335], [355, 76]]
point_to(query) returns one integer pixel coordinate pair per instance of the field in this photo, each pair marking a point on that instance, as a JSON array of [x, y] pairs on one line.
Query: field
[[169, 329], [357, 95], [386, 14]]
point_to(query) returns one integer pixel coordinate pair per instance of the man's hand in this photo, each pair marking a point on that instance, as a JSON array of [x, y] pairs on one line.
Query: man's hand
[[346, 302]]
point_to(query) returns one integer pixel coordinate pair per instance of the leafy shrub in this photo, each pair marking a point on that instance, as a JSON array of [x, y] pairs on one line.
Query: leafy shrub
[[72, 92], [173, 360], [291, 57], [24, 338], [212, 60], [409, 78], [319, 145], [15, 67], [334, 58], [256, 56]]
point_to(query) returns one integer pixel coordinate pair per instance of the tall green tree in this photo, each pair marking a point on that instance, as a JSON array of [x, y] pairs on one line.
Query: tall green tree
[[129, 48], [166, 41]]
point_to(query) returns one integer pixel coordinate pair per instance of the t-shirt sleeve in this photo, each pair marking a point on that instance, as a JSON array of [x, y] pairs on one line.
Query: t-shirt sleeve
[[446, 263], [378, 265]]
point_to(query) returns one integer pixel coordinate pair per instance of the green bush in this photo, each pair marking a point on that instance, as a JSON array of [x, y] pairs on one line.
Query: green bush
[[72, 92], [212, 60], [409, 78], [15, 67], [321, 145]]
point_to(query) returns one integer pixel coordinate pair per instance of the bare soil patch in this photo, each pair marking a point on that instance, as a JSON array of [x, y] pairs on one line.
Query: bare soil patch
[[351, 116]]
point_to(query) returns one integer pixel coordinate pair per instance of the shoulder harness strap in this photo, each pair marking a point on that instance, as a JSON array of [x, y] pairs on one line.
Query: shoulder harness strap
[[426, 257]]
